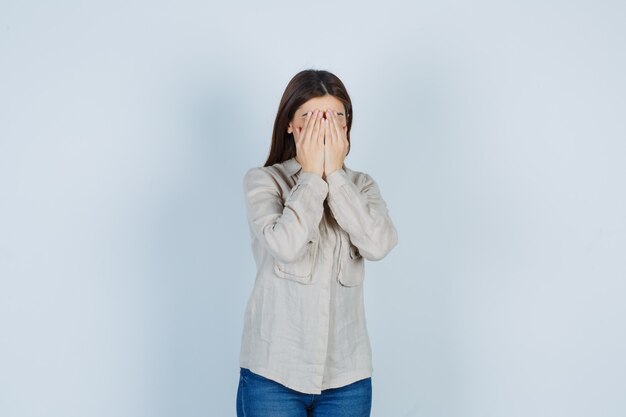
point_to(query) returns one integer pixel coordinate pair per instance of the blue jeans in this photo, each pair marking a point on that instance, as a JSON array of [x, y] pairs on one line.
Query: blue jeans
[[258, 396]]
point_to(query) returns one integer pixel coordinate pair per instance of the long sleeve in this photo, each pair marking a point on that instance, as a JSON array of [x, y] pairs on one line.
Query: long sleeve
[[361, 211], [284, 229]]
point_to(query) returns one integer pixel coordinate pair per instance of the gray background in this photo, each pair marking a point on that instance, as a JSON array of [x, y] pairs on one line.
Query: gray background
[[494, 129]]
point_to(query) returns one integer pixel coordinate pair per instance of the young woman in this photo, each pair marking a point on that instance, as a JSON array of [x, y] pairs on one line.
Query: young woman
[[305, 350]]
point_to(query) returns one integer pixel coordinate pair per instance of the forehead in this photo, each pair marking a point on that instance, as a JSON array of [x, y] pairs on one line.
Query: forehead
[[322, 103]]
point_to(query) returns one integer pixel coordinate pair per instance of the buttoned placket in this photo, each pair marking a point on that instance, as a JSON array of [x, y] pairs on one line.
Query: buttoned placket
[[324, 308], [325, 286], [324, 289], [335, 247]]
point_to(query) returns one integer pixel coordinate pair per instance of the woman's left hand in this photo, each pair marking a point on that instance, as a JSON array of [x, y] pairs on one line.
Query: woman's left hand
[[335, 143]]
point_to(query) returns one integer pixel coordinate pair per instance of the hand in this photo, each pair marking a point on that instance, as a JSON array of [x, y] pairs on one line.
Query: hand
[[310, 143], [336, 144]]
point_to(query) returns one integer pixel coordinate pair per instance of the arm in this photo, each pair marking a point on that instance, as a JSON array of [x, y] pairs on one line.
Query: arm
[[362, 213], [284, 229]]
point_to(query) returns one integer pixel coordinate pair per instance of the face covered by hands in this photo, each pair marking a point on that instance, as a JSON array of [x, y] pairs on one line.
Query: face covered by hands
[[320, 135]]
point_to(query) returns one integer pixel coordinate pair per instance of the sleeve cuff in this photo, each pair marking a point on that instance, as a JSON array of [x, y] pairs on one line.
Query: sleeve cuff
[[316, 182], [337, 178]]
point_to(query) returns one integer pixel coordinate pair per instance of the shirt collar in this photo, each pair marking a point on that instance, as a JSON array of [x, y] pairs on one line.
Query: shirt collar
[[292, 166]]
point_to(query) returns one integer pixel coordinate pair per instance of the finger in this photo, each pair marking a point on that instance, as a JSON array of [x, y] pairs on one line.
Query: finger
[[331, 128], [336, 126], [320, 133], [334, 138], [307, 123], [317, 124], [342, 132], [306, 129], [296, 134], [330, 137], [300, 135]]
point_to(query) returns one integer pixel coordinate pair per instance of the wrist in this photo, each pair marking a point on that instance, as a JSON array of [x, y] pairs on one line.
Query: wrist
[[331, 170], [320, 173]]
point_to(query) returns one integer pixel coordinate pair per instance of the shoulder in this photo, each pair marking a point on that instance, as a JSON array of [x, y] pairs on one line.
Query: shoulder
[[262, 175], [359, 178]]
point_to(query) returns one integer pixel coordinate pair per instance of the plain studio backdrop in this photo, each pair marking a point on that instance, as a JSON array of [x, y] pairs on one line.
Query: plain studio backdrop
[[495, 131]]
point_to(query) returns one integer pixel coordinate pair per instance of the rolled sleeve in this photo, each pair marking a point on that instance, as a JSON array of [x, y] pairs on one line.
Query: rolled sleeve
[[362, 212], [284, 228]]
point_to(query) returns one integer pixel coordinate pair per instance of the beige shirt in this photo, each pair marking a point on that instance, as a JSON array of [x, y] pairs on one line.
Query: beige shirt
[[304, 323]]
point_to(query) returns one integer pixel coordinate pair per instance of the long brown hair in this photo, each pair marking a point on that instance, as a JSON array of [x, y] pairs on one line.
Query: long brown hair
[[305, 85]]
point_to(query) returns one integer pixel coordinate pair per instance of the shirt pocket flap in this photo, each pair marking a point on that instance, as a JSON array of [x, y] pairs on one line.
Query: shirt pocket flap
[[352, 268], [301, 270]]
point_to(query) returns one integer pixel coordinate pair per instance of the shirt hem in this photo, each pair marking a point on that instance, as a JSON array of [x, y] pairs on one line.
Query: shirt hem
[[334, 383], [346, 380]]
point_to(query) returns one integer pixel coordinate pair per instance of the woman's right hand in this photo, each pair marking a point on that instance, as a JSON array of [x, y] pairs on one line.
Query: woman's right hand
[[310, 143]]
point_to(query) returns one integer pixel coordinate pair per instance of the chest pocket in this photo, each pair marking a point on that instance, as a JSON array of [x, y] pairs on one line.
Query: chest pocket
[[351, 268], [300, 270]]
